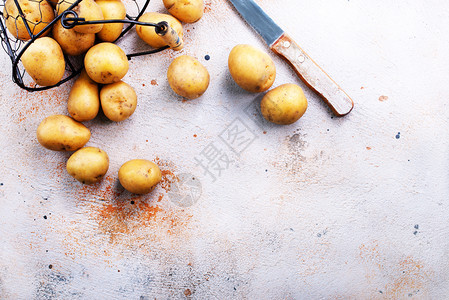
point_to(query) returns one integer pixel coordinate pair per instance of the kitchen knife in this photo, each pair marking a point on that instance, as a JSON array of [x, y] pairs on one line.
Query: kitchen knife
[[283, 45]]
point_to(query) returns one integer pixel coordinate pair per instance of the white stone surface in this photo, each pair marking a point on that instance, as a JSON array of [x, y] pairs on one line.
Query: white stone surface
[[327, 208]]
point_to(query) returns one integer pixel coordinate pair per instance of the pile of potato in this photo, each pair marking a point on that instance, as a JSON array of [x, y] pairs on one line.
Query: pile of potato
[[105, 64], [100, 83]]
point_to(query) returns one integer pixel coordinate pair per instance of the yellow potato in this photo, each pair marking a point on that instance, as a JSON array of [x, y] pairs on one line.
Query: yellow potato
[[112, 9], [62, 133], [139, 176], [106, 63], [44, 61], [149, 35], [84, 100], [87, 9], [284, 104], [251, 68], [118, 101], [71, 41], [37, 13], [188, 77], [188, 11], [88, 165]]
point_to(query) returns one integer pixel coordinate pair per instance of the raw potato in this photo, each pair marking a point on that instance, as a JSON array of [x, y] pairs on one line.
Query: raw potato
[[251, 68], [188, 11], [88, 165], [84, 99], [87, 9], [112, 9], [118, 101], [188, 77], [149, 35], [37, 13], [139, 176], [62, 133], [284, 104], [44, 61], [71, 41], [106, 63]]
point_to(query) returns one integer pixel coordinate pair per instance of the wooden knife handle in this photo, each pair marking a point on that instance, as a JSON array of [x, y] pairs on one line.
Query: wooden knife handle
[[315, 77], [170, 36]]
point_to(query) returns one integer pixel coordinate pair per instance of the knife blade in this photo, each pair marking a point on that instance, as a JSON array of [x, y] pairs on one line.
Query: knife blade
[[284, 46]]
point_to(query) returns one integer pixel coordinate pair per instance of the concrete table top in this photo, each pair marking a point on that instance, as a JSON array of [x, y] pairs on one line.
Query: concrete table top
[[326, 208]]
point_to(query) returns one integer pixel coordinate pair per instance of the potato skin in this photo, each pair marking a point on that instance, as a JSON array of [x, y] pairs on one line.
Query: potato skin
[[44, 61], [88, 165], [284, 104], [112, 9], [188, 77], [84, 99], [72, 42], [149, 35], [188, 11], [251, 68], [139, 176], [118, 101], [62, 133], [106, 63], [34, 12]]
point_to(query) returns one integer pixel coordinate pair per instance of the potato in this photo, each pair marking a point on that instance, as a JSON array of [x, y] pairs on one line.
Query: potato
[[148, 33], [37, 13], [118, 101], [188, 77], [44, 61], [71, 41], [112, 9], [87, 9], [188, 11], [62, 133], [284, 104], [251, 68], [84, 100], [139, 176], [88, 165], [106, 63]]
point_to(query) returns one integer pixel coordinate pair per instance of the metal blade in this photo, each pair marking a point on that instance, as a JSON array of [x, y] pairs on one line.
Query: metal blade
[[259, 20]]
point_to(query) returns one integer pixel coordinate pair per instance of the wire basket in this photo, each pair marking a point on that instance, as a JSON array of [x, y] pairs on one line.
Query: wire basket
[[15, 47]]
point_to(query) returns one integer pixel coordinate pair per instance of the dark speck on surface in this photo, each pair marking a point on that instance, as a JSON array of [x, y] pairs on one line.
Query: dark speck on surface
[[415, 232], [318, 234], [266, 170], [381, 292], [50, 266], [207, 57], [398, 136], [132, 202], [416, 226], [45, 217], [1, 183]]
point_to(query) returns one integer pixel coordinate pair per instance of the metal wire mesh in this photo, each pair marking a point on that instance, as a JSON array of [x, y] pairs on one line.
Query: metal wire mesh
[[19, 27]]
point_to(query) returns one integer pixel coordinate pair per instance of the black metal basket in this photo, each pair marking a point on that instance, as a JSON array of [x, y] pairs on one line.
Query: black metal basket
[[15, 47]]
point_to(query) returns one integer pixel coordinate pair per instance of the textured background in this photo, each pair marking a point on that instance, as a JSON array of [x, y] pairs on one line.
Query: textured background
[[327, 208]]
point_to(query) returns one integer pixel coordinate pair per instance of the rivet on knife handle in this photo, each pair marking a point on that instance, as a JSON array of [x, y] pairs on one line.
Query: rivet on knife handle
[[315, 77]]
